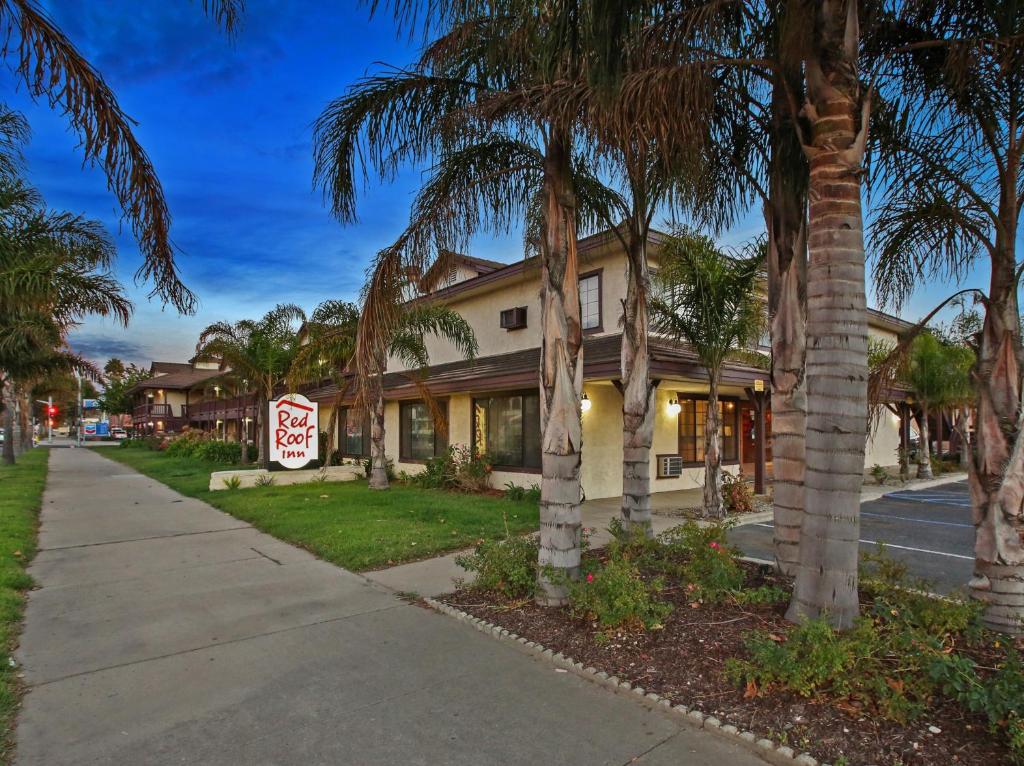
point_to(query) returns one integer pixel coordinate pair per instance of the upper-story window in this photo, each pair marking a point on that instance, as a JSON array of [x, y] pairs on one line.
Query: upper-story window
[[590, 300]]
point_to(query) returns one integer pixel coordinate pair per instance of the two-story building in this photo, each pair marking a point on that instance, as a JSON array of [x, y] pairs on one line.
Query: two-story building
[[492, 403], [198, 394]]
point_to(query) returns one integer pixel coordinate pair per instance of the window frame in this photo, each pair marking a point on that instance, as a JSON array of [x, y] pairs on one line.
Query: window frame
[[343, 434], [682, 397], [599, 274], [524, 392], [440, 442]]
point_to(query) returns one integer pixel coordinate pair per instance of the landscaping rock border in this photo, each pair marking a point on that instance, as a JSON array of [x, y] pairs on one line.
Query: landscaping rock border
[[781, 755]]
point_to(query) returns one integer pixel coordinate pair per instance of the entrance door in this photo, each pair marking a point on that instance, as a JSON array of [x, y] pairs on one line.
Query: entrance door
[[748, 435]]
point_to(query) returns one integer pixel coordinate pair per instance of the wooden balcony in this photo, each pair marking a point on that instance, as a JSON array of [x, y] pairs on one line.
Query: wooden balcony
[[228, 408]]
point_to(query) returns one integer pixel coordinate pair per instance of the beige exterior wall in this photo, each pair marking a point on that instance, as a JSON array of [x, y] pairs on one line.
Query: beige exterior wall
[[602, 425], [482, 310]]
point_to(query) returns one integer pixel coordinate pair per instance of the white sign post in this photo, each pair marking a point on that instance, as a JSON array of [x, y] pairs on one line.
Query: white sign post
[[294, 431]]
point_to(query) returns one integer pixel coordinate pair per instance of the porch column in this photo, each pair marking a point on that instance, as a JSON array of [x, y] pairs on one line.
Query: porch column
[[759, 400]]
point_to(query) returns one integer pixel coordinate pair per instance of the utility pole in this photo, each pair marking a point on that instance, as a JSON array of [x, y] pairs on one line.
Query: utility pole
[[81, 411]]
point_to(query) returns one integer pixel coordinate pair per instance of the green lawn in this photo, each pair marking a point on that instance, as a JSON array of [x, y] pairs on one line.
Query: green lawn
[[21, 491], [346, 523]]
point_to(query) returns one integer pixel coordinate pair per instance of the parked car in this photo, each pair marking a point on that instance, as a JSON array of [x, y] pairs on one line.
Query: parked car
[[118, 433]]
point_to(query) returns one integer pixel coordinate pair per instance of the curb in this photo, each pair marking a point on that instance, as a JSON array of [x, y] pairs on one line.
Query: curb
[[781, 755]]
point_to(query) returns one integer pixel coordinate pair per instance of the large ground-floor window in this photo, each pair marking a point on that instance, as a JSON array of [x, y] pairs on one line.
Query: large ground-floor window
[[506, 427], [693, 418], [355, 433], [419, 438]]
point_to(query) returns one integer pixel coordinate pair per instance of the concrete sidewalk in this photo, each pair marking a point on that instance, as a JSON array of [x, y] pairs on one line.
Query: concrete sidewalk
[[167, 632]]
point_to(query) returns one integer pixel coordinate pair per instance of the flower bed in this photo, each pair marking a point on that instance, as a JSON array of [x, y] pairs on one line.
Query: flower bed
[[722, 646]]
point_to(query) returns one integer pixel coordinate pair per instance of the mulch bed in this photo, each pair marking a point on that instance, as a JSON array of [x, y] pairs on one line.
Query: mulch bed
[[683, 662]]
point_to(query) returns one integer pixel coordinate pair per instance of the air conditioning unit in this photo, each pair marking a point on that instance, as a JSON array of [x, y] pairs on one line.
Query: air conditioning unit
[[513, 319], [669, 466]]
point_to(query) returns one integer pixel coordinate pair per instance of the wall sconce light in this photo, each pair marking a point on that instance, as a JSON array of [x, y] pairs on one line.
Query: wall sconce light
[[585, 403], [674, 407]]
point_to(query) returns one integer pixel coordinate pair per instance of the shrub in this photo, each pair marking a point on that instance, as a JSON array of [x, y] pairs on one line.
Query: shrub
[[738, 495], [508, 566], [616, 595], [389, 467], [879, 474], [457, 468], [518, 493], [335, 455], [186, 444], [218, 452], [897, 657], [265, 480], [710, 566], [233, 482], [996, 696]]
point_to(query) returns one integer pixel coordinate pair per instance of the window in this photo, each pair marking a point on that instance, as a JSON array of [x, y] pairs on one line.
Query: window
[[507, 428], [355, 433], [513, 319], [417, 438], [590, 301], [693, 417]]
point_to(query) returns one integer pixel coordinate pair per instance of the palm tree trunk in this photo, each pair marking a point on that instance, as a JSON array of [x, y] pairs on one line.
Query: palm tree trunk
[[924, 449], [8, 404], [378, 458], [965, 438], [637, 393], [561, 378], [264, 433], [997, 467], [24, 413], [837, 337], [243, 434], [714, 505], [786, 220]]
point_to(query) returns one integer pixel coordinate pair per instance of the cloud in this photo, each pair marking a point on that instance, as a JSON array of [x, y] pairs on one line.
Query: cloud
[[99, 348]]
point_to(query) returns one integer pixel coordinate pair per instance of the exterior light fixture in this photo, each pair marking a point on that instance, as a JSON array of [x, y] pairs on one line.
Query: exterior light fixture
[[674, 407], [585, 403]]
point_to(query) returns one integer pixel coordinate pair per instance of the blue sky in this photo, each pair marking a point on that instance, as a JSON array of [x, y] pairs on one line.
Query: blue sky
[[228, 127]]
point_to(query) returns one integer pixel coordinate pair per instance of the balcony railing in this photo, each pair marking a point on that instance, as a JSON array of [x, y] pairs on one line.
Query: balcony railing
[[226, 408], [151, 410]]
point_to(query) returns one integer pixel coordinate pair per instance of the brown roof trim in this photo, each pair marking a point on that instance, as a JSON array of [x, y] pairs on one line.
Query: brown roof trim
[[519, 369]]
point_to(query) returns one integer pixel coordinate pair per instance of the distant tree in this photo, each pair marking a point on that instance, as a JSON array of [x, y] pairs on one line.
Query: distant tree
[[116, 399], [928, 375], [114, 368], [709, 301]]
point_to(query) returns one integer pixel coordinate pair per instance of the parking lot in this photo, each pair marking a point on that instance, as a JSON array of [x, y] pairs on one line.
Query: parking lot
[[930, 529]]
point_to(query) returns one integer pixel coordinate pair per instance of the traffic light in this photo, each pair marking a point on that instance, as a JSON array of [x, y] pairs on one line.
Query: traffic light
[[51, 410]]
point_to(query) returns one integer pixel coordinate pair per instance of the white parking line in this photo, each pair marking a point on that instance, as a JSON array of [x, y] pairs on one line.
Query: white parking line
[[956, 499], [918, 521], [900, 547]]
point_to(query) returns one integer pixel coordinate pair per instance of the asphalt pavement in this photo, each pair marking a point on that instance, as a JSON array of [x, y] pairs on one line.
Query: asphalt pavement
[[929, 529]]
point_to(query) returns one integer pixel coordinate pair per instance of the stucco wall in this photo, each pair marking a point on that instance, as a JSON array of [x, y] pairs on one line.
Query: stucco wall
[[883, 442]]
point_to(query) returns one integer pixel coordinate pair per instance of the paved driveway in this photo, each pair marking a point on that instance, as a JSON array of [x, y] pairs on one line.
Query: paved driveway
[[166, 632], [930, 529]]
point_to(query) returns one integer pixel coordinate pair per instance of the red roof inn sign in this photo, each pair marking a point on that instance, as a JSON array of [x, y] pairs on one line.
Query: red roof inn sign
[[294, 431]]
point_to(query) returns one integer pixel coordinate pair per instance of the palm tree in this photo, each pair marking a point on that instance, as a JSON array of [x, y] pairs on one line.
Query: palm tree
[[928, 374], [711, 303], [486, 74], [258, 351], [326, 343], [53, 273], [48, 65], [954, 179], [407, 343]]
